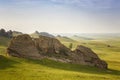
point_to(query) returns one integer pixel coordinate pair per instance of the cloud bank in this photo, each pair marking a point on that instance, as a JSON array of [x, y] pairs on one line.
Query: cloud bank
[[91, 3], [94, 4], [61, 15]]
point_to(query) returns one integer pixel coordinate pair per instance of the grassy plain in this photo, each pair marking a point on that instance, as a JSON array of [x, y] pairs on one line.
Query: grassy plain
[[12, 68]]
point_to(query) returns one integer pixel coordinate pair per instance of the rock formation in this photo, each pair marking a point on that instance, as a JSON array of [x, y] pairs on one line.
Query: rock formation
[[86, 56], [48, 47], [23, 46]]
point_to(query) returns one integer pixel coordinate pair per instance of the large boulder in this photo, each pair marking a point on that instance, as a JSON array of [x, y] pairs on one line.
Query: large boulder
[[84, 55], [23, 46], [48, 47]]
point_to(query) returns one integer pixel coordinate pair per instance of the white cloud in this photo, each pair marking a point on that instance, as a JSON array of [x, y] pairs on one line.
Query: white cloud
[[34, 15], [79, 3], [87, 3]]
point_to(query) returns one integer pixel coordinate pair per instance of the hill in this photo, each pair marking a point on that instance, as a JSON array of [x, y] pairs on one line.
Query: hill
[[16, 33], [27, 69], [4, 41], [65, 39], [12, 68], [23, 46], [76, 37], [37, 34]]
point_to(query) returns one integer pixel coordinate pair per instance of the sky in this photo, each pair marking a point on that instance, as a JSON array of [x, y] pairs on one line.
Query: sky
[[61, 16]]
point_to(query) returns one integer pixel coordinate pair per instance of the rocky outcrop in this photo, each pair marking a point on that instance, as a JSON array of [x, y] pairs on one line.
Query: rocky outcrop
[[48, 47], [51, 47], [86, 56], [23, 46]]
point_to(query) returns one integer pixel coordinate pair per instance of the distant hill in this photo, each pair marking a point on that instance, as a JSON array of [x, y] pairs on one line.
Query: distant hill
[[47, 34], [36, 34], [9, 34], [76, 37], [4, 33], [65, 39], [16, 33]]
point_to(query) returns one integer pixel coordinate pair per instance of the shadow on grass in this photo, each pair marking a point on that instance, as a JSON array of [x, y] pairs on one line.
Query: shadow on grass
[[73, 67], [6, 62], [9, 63]]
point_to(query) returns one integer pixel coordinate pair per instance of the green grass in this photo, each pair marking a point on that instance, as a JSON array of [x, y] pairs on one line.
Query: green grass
[[4, 41], [12, 68], [26, 69]]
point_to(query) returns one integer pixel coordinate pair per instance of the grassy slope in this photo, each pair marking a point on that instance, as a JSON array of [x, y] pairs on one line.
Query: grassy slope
[[26, 69], [3, 43]]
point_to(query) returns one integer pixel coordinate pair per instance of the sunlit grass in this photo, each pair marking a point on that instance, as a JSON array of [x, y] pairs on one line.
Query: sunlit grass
[[12, 68], [27, 69]]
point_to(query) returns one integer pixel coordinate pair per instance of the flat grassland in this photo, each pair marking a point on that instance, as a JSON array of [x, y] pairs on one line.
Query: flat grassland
[[12, 68]]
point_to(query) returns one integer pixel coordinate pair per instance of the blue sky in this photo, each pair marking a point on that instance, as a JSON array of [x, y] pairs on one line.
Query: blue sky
[[61, 16]]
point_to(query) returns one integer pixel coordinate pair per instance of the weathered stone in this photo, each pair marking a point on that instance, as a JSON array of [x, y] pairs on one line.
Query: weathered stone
[[47, 47], [86, 56], [23, 46], [50, 46]]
